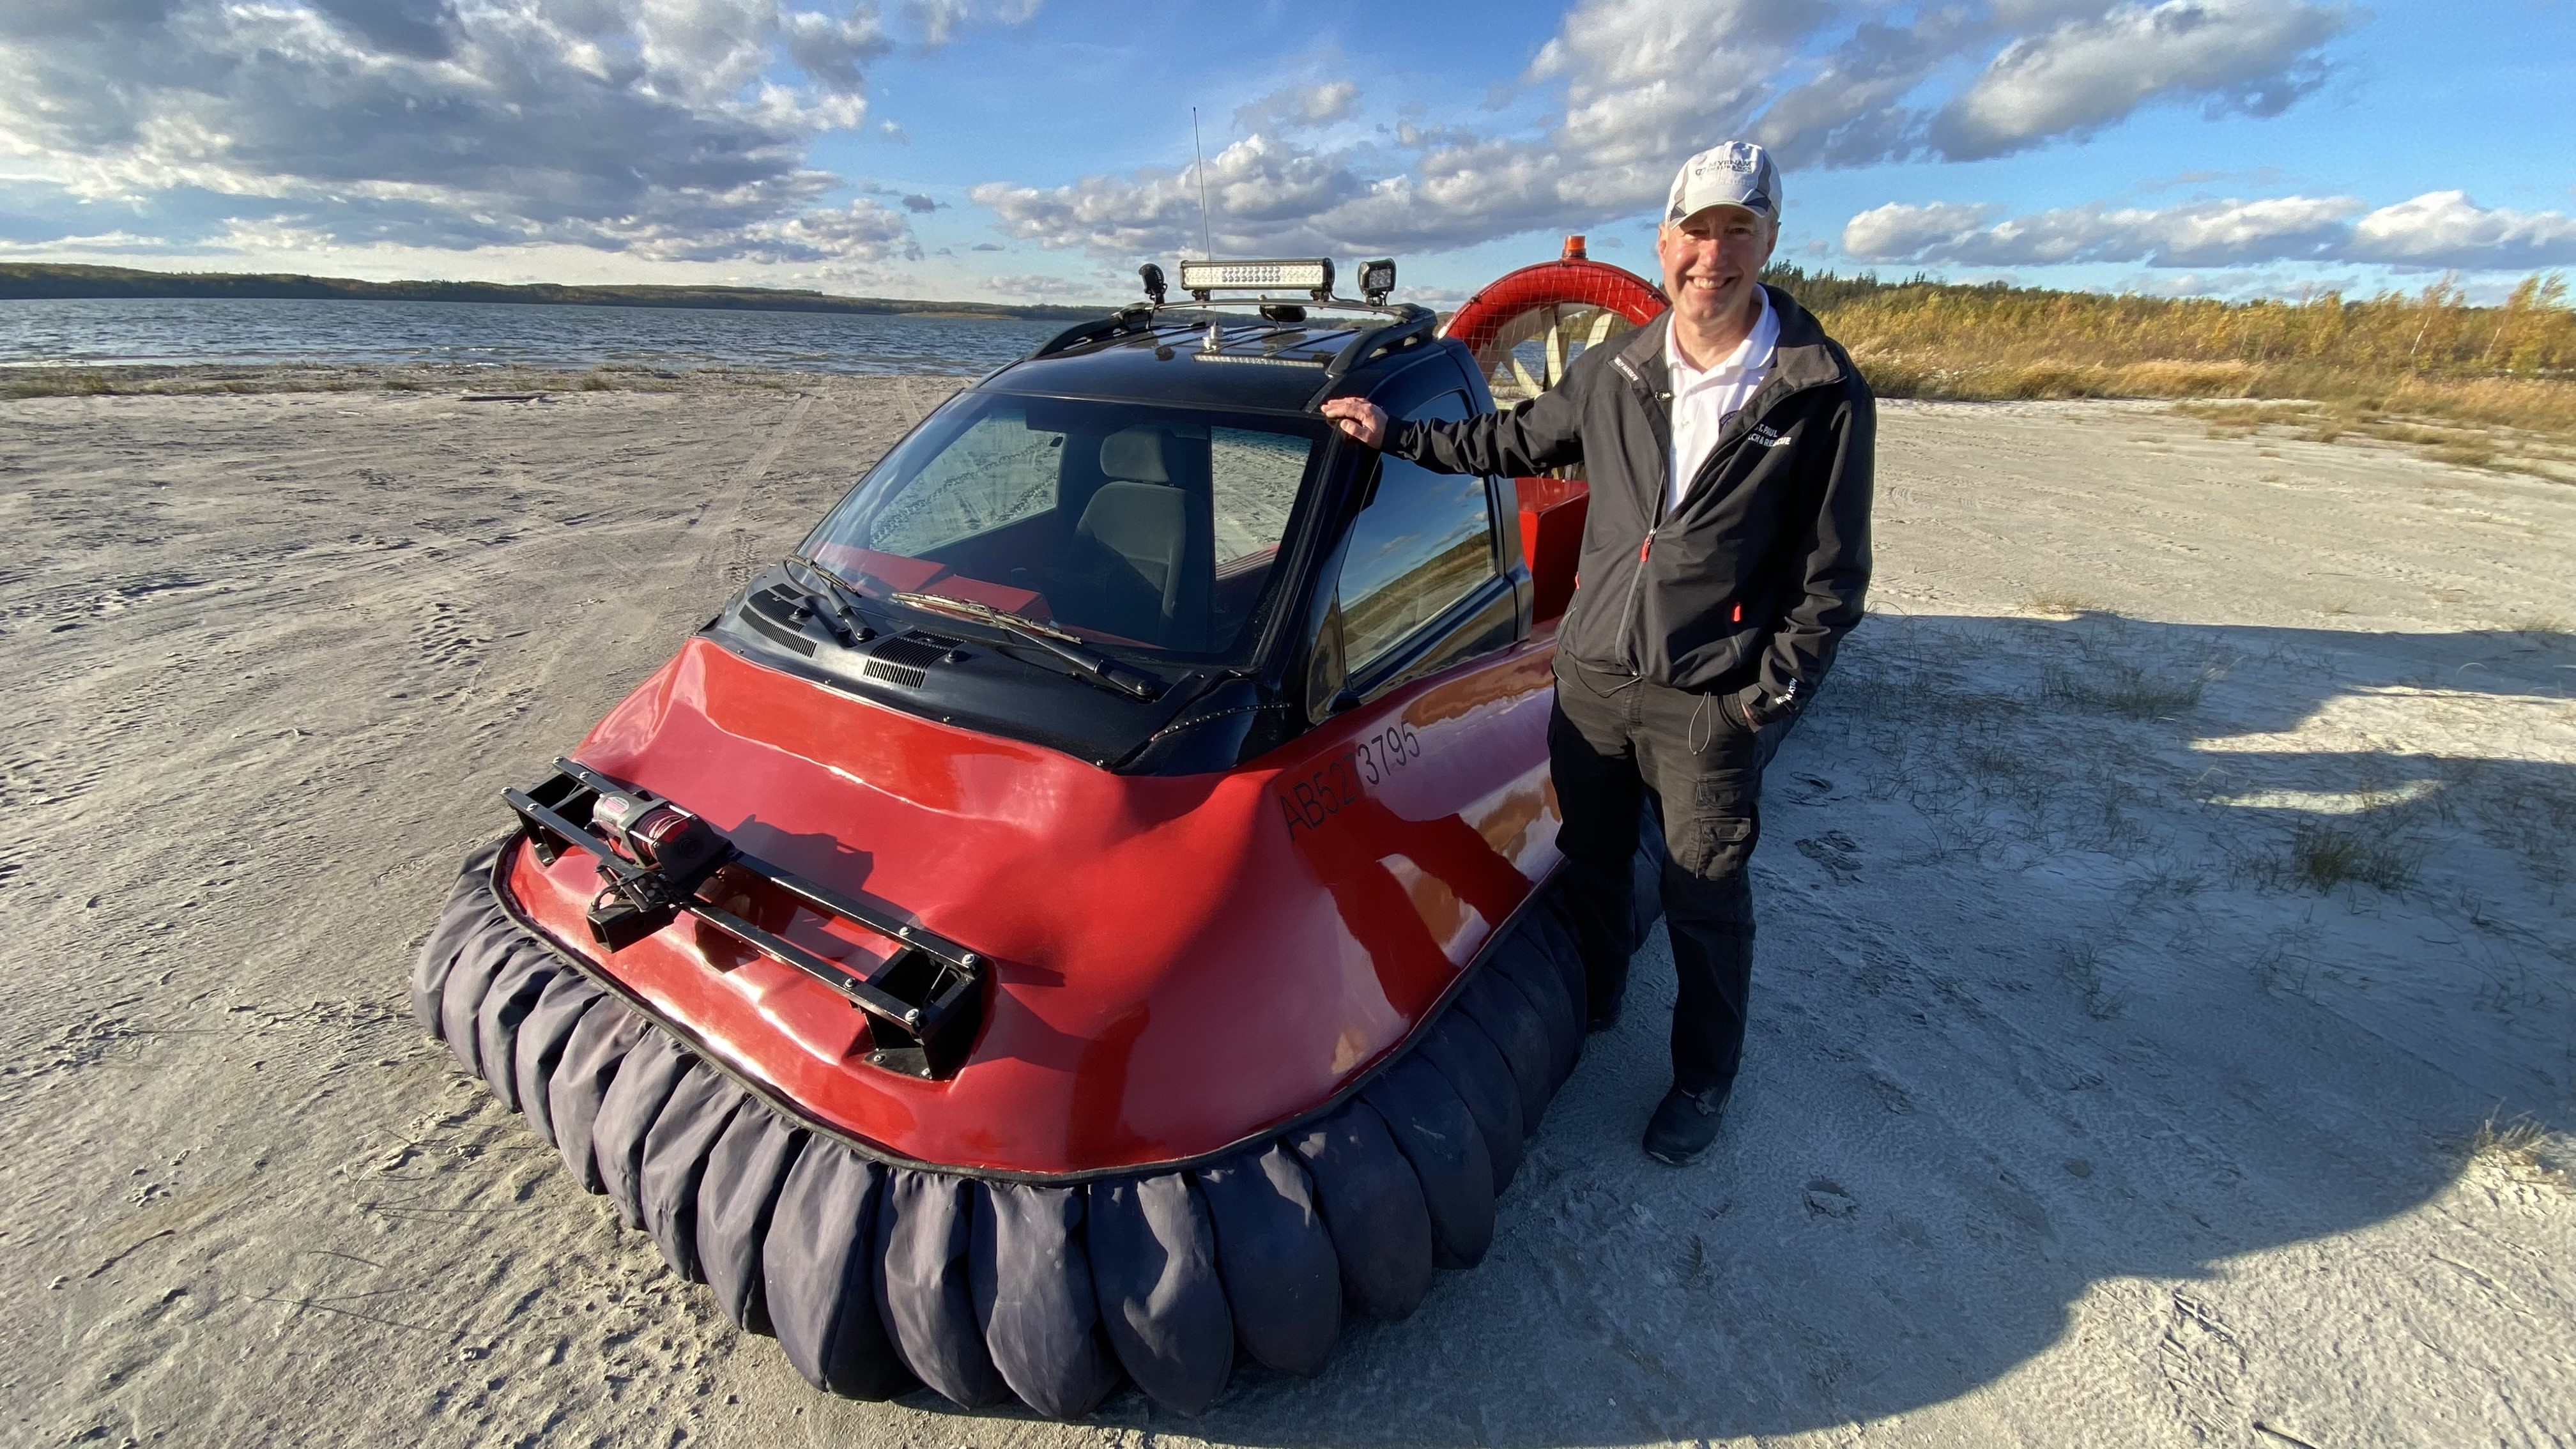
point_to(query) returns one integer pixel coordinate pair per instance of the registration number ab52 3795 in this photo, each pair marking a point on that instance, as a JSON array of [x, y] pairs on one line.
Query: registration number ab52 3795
[[1316, 794]]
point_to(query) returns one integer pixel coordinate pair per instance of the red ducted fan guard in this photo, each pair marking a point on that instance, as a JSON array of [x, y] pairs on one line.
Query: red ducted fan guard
[[1529, 305], [1572, 280]]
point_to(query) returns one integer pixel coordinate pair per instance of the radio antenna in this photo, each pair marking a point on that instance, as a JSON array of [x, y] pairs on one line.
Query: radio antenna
[[1207, 238]]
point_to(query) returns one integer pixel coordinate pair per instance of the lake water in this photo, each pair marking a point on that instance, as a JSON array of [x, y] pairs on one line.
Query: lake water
[[110, 331]]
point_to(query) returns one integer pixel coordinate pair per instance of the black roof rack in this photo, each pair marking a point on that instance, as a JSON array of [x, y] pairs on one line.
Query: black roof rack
[[1410, 322], [1125, 319], [1405, 322]]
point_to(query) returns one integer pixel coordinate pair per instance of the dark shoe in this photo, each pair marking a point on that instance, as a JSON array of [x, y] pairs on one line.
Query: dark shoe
[[1601, 1017], [1684, 1124]]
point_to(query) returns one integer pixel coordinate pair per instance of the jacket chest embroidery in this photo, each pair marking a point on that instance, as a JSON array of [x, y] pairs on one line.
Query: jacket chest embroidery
[[1765, 435]]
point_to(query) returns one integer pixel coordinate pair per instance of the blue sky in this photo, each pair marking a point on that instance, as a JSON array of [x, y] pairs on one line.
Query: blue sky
[[1038, 149]]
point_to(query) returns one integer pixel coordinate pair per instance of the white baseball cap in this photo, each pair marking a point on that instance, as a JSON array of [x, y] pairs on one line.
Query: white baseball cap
[[1737, 173]]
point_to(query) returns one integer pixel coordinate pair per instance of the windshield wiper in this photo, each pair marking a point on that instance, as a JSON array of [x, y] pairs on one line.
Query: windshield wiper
[[852, 629], [1089, 663]]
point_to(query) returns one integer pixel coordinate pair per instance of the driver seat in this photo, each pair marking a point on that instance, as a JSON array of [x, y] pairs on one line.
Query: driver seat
[[1152, 521]]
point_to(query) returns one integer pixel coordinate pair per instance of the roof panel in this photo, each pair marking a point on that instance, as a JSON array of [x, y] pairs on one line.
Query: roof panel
[[1256, 364]]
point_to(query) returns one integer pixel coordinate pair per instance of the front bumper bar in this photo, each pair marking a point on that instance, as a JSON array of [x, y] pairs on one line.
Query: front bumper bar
[[923, 1001]]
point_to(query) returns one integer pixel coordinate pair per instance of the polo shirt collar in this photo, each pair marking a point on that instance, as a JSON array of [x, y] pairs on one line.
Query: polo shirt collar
[[1754, 351]]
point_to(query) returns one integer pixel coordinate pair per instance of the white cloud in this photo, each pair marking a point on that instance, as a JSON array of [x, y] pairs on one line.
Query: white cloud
[[1898, 232], [2254, 56], [1644, 83], [830, 49], [1299, 107], [1654, 80], [865, 231], [1039, 287], [666, 128], [2446, 229], [1257, 188], [105, 241], [681, 128], [940, 20], [2438, 229]]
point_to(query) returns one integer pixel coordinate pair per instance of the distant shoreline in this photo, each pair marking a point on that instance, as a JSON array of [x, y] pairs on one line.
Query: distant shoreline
[[48, 281]]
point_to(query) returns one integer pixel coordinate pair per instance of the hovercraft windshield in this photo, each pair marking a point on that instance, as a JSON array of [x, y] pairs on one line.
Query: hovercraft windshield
[[1133, 527]]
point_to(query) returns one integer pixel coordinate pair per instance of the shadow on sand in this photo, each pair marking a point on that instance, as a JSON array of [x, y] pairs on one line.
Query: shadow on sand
[[2054, 1018]]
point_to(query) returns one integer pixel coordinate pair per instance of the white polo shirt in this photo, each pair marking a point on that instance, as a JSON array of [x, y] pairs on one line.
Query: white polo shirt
[[1703, 401]]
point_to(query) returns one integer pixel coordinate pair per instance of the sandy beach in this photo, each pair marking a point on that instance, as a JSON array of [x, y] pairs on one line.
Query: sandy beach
[[2164, 1030]]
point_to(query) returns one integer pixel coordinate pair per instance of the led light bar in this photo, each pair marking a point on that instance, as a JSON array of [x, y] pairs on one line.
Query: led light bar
[[1313, 276]]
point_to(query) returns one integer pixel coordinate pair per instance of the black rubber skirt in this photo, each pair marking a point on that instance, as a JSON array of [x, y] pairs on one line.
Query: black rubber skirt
[[877, 1276]]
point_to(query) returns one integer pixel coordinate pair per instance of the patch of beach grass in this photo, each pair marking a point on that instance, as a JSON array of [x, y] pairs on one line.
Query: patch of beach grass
[[2463, 455], [2079, 964], [2129, 690], [52, 382], [2525, 1152], [2284, 963], [2323, 855], [193, 380], [2487, 445], [2060, 603], [2531, 816]]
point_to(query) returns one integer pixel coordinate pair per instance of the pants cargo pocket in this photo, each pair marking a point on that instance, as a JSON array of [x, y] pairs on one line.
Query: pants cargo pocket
[[1720, 834]]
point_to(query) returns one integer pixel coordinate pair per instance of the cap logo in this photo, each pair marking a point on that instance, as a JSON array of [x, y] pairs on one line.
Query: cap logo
[[1737, 173]]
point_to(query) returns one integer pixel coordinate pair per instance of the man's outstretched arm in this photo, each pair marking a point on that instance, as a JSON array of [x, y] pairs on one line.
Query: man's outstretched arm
[[1542, 433]]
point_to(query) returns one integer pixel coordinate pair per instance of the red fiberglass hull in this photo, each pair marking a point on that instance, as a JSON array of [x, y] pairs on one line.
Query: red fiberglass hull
[[1177, 962]]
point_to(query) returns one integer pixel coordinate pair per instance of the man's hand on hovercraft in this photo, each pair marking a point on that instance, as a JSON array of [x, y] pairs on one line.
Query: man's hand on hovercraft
[[1362, 420]]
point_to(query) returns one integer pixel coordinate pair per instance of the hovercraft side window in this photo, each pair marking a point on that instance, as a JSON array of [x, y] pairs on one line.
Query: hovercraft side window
[[1129, 525], [1424, 542]]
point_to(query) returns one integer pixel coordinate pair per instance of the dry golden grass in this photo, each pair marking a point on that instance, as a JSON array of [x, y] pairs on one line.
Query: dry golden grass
[[47, 382], [2361, 367], [2197, 344], [2524, 1151], [2060, 602]]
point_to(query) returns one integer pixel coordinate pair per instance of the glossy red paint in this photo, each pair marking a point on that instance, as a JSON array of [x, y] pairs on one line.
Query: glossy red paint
[[1178, 962], [1552, 512]]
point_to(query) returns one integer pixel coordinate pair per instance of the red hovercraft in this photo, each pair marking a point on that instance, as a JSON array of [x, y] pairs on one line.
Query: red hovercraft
[[1085, 910]]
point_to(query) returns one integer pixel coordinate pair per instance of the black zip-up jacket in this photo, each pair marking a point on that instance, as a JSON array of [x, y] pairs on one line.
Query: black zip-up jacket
[[1748, 588]]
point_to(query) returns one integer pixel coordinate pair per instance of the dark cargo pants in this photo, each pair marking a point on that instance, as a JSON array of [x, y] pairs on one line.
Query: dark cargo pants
[[1614, 744]]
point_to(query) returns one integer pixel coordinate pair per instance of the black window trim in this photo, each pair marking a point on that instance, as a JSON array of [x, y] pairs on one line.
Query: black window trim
[[1401, 661]]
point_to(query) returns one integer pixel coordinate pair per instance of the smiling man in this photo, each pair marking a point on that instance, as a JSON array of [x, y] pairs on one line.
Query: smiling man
[[1729, 446]]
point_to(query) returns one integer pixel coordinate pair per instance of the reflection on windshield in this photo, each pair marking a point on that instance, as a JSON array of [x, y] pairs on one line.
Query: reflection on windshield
[[1130, 525]]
